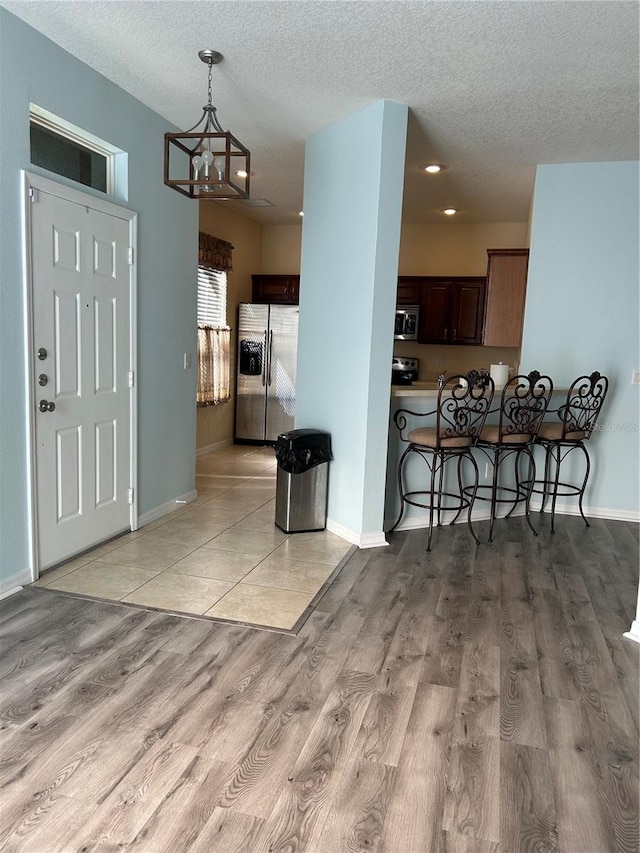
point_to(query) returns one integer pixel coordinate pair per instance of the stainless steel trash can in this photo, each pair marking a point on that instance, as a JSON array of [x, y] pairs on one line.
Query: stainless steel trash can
[[301, 483]]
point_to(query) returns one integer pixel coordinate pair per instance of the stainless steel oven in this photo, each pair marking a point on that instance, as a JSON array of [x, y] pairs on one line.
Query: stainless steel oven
[[407, 319]]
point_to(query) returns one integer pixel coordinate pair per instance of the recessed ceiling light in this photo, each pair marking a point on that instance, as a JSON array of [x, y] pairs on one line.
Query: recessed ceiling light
[[433, 168], [301, 213], [450, 211]]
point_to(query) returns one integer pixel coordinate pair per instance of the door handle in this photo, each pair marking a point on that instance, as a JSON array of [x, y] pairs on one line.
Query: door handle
[[43, 379], [264, 359], [45, 406], [270, 351]]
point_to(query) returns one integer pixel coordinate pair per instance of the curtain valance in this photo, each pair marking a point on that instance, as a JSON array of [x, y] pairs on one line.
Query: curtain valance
[[214, 253]]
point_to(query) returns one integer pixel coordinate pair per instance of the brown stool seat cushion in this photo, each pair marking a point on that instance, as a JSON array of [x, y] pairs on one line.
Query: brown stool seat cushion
[[553, 432], [491, 434], [429, 438]]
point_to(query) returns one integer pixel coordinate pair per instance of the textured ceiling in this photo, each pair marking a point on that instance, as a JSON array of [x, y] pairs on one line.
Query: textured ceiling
[[494, 88]]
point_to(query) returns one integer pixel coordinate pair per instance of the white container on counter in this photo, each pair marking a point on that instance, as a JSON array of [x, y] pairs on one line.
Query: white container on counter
[[500, 374]]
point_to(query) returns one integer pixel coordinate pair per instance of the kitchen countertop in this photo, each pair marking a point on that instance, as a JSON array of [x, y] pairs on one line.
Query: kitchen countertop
[[429, 388], [420, 388]]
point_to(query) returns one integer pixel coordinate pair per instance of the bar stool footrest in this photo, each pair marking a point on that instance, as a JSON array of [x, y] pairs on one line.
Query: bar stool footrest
[[520, 494], [547, 487], [439, 505]]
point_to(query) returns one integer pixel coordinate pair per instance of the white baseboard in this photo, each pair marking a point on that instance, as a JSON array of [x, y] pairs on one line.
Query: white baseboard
[[209, 448], [417, 522], [166, 508], [11, 592], [421, 521], [590, 511], [14, 583], [634, 632], [362, 540]]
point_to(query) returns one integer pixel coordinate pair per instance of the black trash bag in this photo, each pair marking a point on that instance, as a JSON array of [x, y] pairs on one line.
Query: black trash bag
[[301, 449], [300, 460]]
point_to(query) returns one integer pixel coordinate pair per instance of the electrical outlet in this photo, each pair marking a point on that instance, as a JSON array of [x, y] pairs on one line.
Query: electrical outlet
[[635, 377], [488, 471], [187, 360]]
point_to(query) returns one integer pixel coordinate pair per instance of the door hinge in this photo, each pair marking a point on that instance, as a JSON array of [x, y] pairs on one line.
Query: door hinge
[[130, 255], [130, 496], [131, 379], [33, 195]]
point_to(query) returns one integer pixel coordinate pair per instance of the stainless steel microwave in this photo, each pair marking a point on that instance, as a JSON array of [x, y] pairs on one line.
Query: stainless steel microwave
[[407, 319]]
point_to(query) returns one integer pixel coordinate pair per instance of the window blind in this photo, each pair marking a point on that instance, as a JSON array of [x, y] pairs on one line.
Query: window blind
[[213, 338], [212, 298]]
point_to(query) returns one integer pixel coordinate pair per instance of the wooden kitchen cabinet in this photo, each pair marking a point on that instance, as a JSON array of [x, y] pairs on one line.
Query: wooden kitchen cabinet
[[276, 288], [506, 291], [451, 310], [435, 312], [408, 291]]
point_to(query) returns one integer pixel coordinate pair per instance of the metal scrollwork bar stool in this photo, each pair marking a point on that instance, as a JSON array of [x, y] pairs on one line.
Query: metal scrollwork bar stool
[[577, 419], [523, 404], [462, 406]]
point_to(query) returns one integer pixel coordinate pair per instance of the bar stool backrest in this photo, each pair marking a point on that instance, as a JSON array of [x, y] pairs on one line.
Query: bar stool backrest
[[463, 405], [584, 402], [523, 405]]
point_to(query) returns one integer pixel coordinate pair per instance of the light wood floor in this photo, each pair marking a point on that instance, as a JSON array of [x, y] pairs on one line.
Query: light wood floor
[[473, 699]]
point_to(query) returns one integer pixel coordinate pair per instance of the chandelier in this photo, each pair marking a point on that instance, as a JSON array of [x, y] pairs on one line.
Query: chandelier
[[206, 162]]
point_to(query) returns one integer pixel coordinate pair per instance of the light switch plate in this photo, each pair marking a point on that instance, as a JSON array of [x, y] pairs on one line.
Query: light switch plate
[[635, 377], [187, 360]]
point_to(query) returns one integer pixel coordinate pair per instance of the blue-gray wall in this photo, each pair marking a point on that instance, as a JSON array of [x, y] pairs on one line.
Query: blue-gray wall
[[33, 69], [350, 243], [582, 308]]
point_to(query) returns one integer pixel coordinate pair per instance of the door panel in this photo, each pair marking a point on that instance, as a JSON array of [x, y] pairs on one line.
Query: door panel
[[68, 473], [435, 313], [105, 345], [468, 312], [106, 457], [281, 379], [80, 298], [66, 333]]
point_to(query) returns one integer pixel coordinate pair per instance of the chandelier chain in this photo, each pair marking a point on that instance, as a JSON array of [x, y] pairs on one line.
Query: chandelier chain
[[209, 86]]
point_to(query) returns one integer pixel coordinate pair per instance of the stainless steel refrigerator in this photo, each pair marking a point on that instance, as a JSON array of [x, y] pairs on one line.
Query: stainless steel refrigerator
[[266, 378]]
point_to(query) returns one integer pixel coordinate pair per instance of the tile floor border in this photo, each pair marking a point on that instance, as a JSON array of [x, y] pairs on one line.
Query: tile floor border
[[190, 523], [295, 628]]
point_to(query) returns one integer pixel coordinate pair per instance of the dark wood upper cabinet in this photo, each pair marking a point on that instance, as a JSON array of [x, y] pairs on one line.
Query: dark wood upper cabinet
[[451, 308], [467, 311], [408, 291], [276, 288], [435, 312]]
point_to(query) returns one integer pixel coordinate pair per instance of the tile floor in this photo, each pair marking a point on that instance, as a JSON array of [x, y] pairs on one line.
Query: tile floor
[[220, 557]]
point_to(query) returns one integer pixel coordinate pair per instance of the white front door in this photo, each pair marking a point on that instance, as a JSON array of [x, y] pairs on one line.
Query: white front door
[[80, 273]]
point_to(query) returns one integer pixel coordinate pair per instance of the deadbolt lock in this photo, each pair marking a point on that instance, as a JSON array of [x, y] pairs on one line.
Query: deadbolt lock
[[42, 353], [42, 379]]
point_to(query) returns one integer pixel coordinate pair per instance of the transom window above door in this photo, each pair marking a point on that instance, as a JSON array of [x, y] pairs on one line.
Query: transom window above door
[[68, 151]]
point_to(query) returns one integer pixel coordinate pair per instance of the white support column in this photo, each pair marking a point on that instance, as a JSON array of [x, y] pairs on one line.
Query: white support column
[[350, 244]]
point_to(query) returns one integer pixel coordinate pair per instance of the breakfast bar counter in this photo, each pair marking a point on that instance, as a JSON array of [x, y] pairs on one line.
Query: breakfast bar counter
[[429, 389], [420, 388]]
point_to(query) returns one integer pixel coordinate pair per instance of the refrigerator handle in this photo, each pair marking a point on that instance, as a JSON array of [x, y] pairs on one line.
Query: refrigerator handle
[[270, 351], [264, 359]]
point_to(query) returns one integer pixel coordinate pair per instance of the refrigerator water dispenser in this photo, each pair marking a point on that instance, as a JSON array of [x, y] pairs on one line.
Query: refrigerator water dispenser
[[250, 358]]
